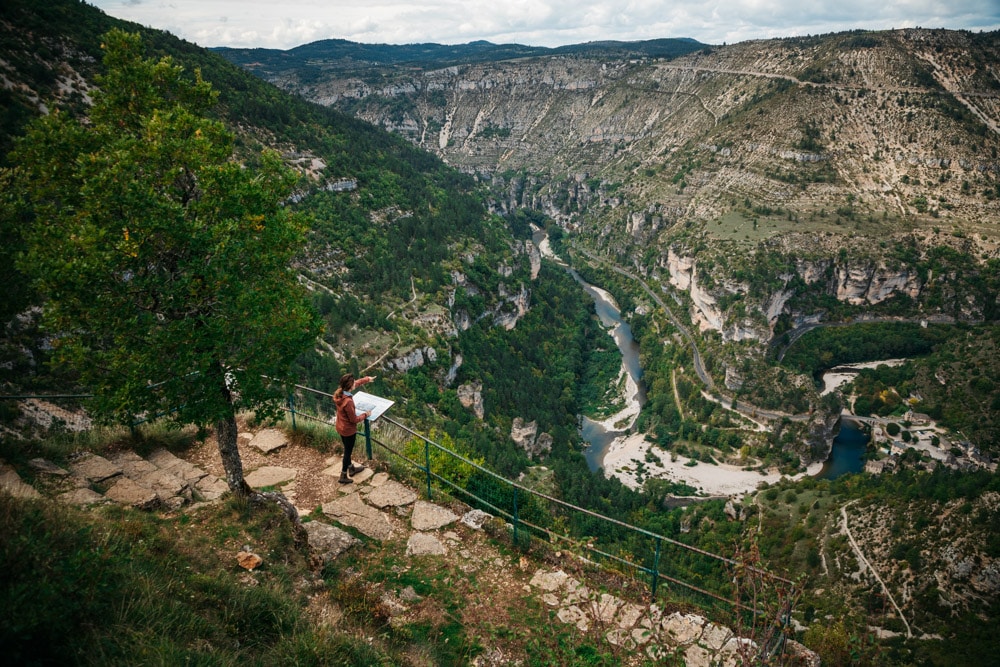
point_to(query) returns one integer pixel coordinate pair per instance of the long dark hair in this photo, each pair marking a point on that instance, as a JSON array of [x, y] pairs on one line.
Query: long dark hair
[[346, 384]]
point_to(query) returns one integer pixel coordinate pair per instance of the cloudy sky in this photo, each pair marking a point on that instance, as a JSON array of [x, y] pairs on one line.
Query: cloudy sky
[[282, 25]]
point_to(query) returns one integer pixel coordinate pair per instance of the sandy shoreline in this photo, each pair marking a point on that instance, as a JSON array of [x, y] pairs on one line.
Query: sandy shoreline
[[839, 375], [626, 452], [625, 417]]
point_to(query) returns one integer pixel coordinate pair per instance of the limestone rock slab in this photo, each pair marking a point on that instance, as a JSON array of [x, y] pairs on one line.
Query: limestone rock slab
[[696, 656], [620, 637], [94, 468], [269, 440], [127, 492], [428, 516], [379, 478], [393, 494], [10, 482], [351, 510], [683, 628], [211, 487], [270, 476], [605, 607], [549, 581], [178, 467], [47, 467], [475, 519], [574, 615], [336, 465], [132, 465], [576, 592], [328, 541], [163, 459], [641, 635], [629, 615], [165, 485], [80, 497], [715, 636]]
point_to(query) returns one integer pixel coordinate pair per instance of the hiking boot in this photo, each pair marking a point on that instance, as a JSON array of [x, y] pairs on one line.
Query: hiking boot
[[355, 469], [344, 479]]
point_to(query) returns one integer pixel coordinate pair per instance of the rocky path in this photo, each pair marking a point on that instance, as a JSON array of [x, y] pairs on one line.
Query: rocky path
[[397, 523]]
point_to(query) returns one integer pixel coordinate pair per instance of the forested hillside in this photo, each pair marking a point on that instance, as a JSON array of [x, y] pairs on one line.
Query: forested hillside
[[409, 272]]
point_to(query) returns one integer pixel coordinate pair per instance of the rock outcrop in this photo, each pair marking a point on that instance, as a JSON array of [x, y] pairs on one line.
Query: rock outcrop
[[415, 358], [527, 437], [471, 397]]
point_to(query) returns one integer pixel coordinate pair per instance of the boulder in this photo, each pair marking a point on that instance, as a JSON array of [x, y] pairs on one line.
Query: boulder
[[328, 541]]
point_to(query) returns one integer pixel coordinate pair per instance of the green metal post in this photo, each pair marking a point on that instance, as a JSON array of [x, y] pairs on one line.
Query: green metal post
[[656, 568], [291, 407], [516, 518], [368, 439], [427, 460]]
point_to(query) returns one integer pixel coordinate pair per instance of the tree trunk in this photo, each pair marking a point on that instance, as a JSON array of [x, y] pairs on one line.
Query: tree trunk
[[225, 433]]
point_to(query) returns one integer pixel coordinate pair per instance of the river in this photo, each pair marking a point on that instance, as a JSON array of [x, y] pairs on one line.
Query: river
[[599, 435], [848, 449]]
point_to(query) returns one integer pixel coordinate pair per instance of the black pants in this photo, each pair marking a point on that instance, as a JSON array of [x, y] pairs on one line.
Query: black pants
[[348, 449]]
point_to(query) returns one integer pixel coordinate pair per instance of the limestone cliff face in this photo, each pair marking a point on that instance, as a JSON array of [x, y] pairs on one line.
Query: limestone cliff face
[[823, 429], [509, 304], [414, 358], [705, 311], [805, 124], [871, 284], [514, 307], [855, 283]]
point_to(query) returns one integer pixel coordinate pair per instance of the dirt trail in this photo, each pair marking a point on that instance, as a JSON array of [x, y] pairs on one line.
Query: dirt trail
[[864, 561]]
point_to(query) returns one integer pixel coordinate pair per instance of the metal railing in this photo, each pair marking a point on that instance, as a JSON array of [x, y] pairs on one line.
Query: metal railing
[[695, 574], [689, 573]]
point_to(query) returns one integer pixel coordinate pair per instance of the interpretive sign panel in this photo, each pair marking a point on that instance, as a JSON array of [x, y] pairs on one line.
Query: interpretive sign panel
[[376, 405]]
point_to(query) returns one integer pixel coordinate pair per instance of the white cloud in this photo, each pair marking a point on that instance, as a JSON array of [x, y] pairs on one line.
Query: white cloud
[[536, 22]]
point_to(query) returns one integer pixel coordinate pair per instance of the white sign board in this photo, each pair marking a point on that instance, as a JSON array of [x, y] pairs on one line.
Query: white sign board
[[376, 405]]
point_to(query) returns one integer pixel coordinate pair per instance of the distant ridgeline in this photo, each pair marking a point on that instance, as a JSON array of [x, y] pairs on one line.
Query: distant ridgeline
[[353, 59]]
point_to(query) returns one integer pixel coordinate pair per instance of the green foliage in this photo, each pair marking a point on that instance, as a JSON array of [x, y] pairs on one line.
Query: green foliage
[[969, 399], [544, 356], [826, 347], [142, 232], [840, 645], [442, 463]]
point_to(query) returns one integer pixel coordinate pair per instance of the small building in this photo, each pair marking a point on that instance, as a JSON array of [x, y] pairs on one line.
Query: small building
[[875, 467]]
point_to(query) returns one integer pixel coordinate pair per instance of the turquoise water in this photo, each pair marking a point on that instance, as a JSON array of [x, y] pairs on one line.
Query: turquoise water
[[848, 448]]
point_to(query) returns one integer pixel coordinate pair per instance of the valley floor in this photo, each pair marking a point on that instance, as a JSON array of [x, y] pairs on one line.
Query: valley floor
[[627, 456]]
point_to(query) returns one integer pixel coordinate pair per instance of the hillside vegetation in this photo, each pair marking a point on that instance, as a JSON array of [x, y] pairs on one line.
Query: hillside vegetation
[[764, 184]]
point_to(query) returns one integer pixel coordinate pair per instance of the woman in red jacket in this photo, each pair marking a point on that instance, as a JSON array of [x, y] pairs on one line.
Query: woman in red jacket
[[348, 420]]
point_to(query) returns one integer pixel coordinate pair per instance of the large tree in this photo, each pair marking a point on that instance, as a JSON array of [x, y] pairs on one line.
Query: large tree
[[164, 262]]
